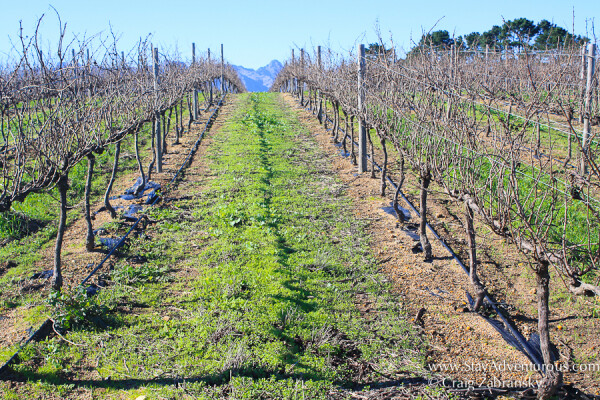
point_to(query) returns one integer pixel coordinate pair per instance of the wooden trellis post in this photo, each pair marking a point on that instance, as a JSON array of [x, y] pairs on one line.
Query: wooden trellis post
[[195, 93], [158, 139], [302, 82], [222, 71], [74, 60], [294, 86], [320, 100], [591, 61], [210, 84], [362, 129]]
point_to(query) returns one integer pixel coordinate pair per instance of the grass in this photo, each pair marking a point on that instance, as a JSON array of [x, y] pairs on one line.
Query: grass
[[262, 268]]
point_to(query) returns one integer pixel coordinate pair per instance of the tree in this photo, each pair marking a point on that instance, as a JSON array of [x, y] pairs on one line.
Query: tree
[[518, 32], [376, 50], [473, 40], [459, 42], [492, 38], [437, 39], [550, 36]]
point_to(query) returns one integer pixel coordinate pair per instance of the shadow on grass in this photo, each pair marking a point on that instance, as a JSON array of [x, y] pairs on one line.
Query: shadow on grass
[[129, 383]]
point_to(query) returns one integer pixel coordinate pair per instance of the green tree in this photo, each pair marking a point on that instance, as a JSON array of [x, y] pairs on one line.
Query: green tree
[[493, 38], [550, 36], [518, 32], [437, 39], [473, 40], [459, 42], [376, 50]]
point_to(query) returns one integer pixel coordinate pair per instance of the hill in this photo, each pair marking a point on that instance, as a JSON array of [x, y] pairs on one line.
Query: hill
[[259, 80]]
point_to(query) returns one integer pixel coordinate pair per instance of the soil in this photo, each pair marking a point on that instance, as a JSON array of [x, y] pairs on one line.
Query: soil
[[435, 291]]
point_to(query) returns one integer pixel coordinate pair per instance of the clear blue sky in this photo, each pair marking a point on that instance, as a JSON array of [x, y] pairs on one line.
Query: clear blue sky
[[256, 32]]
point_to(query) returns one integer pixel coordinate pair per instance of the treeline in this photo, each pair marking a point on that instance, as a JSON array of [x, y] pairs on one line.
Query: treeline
[[513, 34]]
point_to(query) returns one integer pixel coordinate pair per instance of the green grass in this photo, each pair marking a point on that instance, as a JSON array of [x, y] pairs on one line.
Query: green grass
[[262, 269]]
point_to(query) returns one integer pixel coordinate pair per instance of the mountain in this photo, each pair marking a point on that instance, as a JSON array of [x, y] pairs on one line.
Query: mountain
[[259, 80]]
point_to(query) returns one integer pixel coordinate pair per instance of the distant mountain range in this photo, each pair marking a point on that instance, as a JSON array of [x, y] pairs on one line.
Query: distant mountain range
[[259, 80]]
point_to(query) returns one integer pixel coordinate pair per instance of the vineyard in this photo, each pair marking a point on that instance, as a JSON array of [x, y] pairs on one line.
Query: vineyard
[[505, 134], [354, 234]]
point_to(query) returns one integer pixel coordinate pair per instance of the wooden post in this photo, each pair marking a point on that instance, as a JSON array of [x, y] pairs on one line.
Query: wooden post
[[452, 66], [319, 56], [320, 111], [362, 129], [158, 139], [582, 71], [222, 71], [302, 82], [582, 79], [293, 79], [588, 105], [195, 92], [88, 68], [210, 85], [74, 72]]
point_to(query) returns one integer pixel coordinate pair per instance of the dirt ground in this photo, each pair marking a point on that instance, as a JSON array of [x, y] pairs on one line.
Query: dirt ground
[[437, 289]]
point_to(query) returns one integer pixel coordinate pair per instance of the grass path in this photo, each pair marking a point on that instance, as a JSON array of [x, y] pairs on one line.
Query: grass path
[[256, 282]]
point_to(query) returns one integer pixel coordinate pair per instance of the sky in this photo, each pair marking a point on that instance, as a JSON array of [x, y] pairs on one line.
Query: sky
[[255, 32]]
